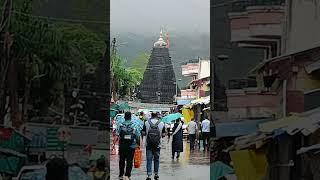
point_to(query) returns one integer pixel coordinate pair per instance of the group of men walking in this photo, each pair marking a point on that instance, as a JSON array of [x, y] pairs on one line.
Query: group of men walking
[[153, 131], [193, 133]]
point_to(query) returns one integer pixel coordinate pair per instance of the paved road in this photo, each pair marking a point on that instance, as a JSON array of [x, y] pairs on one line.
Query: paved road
[[190, 166]]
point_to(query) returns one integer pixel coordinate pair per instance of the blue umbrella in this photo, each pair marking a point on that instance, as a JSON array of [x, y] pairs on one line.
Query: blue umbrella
[[171, 117]]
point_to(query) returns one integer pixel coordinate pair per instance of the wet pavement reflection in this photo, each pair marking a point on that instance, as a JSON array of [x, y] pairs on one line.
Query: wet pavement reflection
[[190, 166]]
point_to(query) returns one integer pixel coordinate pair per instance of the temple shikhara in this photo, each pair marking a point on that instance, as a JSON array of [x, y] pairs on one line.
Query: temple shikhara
[[159, 82]]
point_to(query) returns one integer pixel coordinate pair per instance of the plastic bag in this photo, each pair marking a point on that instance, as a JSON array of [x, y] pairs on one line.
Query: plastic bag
[[137, 157]]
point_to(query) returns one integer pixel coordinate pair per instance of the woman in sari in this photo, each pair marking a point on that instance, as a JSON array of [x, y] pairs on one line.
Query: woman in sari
[[177, 138]]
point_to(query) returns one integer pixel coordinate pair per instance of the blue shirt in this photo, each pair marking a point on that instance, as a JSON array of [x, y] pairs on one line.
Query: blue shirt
[[136, 132]]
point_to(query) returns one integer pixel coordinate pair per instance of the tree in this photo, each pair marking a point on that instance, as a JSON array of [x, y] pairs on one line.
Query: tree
[[132, 79], [141, 62], [45, 56], [125, 79], [90, 46]]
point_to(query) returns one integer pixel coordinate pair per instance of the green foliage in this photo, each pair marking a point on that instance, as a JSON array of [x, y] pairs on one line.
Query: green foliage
[[127, 78], [90, 45], [55, 50], [91, 10], [141, 62], [135, 75]]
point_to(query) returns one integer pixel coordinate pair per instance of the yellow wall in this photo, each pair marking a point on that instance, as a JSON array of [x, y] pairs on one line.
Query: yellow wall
[[305, 82]]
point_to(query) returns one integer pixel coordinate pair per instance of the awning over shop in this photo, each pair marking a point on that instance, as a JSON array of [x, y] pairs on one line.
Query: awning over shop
[[11, 152], [154, 110], [309, 69], [306, 123], [315, 147], [232, 129], [202, 100], [312, 67], [277, 124]]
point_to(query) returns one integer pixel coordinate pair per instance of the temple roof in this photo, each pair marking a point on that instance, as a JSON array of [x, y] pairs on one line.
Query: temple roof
[[160, 43]]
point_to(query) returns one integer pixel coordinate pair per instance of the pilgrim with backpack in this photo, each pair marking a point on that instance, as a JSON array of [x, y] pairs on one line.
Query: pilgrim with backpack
[[154, 130], [129, 139]]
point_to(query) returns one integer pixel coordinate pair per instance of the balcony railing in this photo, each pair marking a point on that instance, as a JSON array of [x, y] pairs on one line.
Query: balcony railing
[[242, 83], [241, 6]]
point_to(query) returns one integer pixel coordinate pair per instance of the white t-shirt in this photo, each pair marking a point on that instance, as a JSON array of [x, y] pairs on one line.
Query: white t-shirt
[[205, 125], [192, 127], [161, 127]]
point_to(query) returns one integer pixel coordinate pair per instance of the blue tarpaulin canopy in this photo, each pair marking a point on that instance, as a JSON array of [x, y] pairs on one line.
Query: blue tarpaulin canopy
[[240, 128], [183, 102]]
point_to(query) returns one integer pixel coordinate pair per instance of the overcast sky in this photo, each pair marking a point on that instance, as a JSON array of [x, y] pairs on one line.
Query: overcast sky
[[148, 16]]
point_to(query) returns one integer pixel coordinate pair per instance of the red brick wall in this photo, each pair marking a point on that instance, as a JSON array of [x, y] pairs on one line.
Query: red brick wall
[[265, 18], [239, 23], [202, 93], [295, 101], [252, 100]]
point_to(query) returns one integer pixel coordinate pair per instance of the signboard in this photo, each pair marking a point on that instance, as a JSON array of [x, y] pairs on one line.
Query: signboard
[[53, 142]]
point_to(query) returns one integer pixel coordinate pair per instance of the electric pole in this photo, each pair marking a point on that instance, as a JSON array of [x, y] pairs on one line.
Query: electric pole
[[6, 41]]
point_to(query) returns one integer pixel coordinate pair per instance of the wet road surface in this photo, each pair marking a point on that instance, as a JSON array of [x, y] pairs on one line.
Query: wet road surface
[[190, 166]]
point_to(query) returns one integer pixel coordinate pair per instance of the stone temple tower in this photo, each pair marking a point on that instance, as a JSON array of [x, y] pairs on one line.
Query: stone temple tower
[[159, 82]]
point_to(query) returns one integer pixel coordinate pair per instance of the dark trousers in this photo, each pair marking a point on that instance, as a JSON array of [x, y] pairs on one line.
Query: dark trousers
[[126, 156], [206, 138], [192, 139]]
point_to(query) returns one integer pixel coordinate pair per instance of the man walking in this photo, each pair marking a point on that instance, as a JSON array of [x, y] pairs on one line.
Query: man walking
[[192, 130], [154, 131], [205, 129], [129, 137]]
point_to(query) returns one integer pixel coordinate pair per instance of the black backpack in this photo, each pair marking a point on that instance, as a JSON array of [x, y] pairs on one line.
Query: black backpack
[[127, 135], [154, 136]]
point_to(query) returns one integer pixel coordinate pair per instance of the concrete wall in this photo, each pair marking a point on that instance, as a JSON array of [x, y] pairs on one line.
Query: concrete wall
[[249, 105], [204, 69], [303, 25], [250, 112]]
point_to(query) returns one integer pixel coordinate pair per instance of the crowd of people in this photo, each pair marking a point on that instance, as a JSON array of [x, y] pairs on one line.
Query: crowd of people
[[129, 137]]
